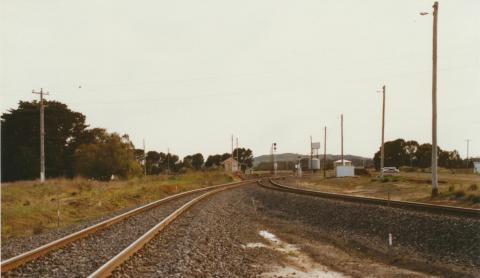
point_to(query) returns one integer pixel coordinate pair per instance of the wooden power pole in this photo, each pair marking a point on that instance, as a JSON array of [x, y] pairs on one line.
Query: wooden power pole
[[42, 135], [382, 151], [341, 127], [325, 152]]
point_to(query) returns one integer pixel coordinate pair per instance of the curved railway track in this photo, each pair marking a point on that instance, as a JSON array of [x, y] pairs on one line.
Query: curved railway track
[[77, 255], [440, 209]]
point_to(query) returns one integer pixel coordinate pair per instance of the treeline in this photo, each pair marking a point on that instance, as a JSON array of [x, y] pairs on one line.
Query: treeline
[[410, 153], [159, 162], [73, 149]]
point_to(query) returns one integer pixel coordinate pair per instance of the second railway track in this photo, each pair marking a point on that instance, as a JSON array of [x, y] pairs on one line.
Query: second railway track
[[82, 253], [456, 211]]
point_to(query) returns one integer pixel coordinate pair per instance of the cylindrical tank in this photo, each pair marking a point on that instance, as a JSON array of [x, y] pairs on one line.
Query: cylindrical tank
[[315, 164]]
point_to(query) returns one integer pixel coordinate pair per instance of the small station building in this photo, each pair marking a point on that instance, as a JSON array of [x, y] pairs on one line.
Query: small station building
[[230, 165]]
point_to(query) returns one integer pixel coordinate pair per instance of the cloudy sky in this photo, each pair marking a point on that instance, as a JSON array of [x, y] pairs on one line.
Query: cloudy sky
[[187, 74]]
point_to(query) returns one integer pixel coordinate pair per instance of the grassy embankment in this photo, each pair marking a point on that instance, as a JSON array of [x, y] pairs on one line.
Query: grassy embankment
[[455, 189], [29, 207]]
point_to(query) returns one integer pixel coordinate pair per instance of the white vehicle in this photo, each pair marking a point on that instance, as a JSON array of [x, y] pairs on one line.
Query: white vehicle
[[390, 170]]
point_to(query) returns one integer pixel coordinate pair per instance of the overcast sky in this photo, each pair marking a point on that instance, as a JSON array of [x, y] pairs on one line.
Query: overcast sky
[[187, 74]]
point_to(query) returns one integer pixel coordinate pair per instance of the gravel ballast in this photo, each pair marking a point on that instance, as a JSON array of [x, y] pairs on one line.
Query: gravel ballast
[[207, 241], [420, 239], [82, 257], [210, 239]]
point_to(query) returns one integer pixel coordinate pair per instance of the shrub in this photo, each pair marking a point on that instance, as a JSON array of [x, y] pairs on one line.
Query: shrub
[[408, 169], [459, 194], [474, 198]]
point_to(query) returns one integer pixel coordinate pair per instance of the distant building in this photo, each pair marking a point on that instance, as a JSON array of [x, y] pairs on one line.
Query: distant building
[[344, 169], [230, 165], [476, 167]]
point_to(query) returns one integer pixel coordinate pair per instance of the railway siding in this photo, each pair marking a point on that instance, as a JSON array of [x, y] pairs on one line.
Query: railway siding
[[417, 235]]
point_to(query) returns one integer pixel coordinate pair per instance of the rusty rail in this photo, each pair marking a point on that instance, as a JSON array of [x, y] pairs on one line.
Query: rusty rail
[[107, 268], [441, 209], [21, 259]]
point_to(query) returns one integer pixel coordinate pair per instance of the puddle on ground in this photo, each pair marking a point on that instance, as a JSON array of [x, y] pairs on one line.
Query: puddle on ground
[[301, 265]]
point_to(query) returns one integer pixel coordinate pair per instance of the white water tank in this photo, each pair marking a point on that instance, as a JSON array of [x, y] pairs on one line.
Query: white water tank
[[315, 164]]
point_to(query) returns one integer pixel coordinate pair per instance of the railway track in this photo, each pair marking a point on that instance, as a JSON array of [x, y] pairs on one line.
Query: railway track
[[440, 209], [98, 249]]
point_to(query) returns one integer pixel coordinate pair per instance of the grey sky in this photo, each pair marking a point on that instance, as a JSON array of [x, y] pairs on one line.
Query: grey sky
[[187, 74]]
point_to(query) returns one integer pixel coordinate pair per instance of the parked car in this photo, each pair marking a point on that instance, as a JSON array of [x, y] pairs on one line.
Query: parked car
[[390, 170]]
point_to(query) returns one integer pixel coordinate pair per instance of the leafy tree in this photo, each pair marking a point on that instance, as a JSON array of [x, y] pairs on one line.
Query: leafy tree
[[187, 162], [20, 137], [411, 148], [153, 159], [245, 157], [197, 161], [109, 154], [424, 156], [194, 161], [409, 153], [213, 161]]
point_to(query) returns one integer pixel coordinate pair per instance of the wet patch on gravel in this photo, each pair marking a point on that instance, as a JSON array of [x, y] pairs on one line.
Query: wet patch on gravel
[[297, 263], [207, 241]]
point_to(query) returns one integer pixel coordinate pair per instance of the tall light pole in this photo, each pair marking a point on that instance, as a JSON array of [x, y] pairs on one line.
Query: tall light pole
[[434, 100], [382, 151]]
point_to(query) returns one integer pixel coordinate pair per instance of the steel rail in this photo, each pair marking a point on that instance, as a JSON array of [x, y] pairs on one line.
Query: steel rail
[[441, 209], [23, 258], [106, 269]]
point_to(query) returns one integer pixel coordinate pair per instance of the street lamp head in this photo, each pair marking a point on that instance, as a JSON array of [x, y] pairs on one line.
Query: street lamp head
[[424, 13]]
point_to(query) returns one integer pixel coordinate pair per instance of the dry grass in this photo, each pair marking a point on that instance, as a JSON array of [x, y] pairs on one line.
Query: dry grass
[[454, 189], [29, 207]]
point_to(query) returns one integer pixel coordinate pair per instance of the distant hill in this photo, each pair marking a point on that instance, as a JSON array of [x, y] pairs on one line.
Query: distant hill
[[356, 160]]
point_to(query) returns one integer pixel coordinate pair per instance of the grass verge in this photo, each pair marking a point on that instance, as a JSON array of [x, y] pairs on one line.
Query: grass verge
[[29, 207]]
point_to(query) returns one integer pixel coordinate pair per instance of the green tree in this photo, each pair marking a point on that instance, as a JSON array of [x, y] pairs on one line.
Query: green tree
[[153, 159], [213, 161], [109, 154], [245, 157], [197, 161], [20, 140]]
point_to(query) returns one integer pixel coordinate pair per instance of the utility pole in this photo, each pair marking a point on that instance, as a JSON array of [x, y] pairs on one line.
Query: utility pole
[[144, 159], [311, 153], [468, 151], [341, 127], [238, 160], [168, 161], [42, 135], [232, 144], [434, 102], [325, 153], [382, 151]]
